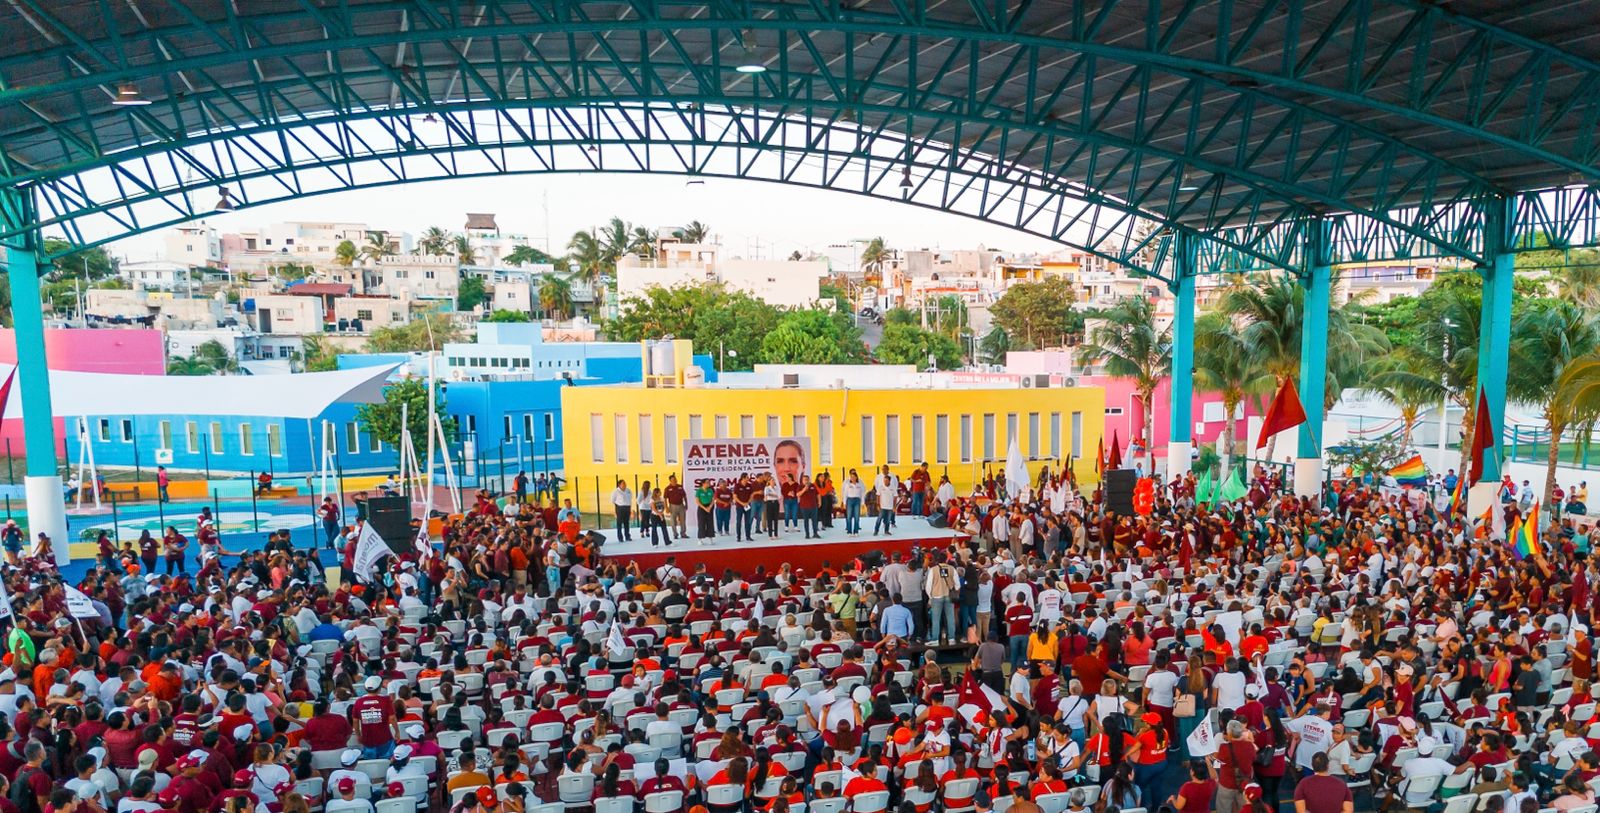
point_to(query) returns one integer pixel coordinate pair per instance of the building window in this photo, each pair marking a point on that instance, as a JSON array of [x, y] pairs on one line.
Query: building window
[[527, 426], [695, 426], [891, 440], [966, 438], [166, 434], [1012, 431], [216, 437], [191, 436], [619, 425], [916, 440], [507, 431], [1113, 410], [647, 440], [988, 436], [472, 424], [669, 438], [597, 438], [105, 430], [941, 439], [549, 426], [1033, 435], [364, 315], [797, 426], [352, 438], [824, 439], [1055, 436], [373, 444], [1077, 435], [274, 439], [127, 430], [747, 426], [719, 425], [774, 426], [866, 440], [247, 444]]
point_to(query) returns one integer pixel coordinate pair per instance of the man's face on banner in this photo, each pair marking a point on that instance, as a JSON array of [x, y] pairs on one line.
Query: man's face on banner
[[789, 462]]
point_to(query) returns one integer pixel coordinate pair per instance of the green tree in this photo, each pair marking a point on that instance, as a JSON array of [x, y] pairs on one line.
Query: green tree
[[346, 253], [319, 355], [471, 293], [293, 272], [1409, 385], [814, 336], [85, 264], [642, 242], [909, 344], [429, 331], [5, 299], [1445, 349], [1039, 314], [462, 248], [555, 296], [994, 346], [1546, 338], [695, 232], [1272, 311], [528, 255], [1578, 281], [377, 246], [188, 366], [1128, 344], [383, 419], [503, 315], [1223, 365], [873, 256], [901, 316], [208, 358], [435, 242], [710, 315], [589, 255]]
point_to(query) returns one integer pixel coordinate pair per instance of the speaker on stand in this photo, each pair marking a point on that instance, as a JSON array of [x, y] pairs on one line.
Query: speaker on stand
[[391, 518], [1118, 485]]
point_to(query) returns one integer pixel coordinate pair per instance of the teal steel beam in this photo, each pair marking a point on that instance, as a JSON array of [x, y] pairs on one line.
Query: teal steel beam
[[27, 320], [1181, 429], [1494, 334], [1317, 280]]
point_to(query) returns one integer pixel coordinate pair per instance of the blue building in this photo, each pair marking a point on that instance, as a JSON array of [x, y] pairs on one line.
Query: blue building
[[504, 391]]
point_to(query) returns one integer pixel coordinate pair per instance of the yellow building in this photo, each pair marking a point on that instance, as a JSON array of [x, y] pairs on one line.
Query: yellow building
[[635, 433]]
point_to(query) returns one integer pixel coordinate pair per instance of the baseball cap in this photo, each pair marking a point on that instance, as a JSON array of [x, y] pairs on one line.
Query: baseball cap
[[347, 784], [486, 796], [374, 683], [350, 757], [397, 789], [402, 752], [243, 777]]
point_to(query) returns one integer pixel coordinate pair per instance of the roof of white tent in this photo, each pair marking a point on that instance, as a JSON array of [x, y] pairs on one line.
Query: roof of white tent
[[298, 395]]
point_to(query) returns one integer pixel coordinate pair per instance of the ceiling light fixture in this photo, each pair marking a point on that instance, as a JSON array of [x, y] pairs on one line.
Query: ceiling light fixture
[[128, 96], [749, 62], [224, 203], [905, 178], [1187, 183]]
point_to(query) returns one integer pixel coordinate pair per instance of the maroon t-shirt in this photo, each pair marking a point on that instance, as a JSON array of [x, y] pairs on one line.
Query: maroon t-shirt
[[372, 715], [328, 732], [1197, 795]]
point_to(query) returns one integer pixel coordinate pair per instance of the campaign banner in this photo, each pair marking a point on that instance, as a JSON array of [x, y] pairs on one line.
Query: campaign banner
[[370, 549], [721, 460]]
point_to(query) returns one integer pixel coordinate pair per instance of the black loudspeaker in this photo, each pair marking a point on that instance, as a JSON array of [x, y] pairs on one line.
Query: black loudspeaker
[[938, 520], [391, 516], [871, 559], [1118, 487]]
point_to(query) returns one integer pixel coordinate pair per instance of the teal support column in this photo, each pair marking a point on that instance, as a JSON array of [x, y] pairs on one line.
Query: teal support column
[[45, 498], [1494, 332], [1317, 279], [1180, 431]]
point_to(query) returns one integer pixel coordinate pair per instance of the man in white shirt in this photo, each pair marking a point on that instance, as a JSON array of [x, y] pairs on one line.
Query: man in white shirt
[[1311, 734], [1425, 764], [622, 504]]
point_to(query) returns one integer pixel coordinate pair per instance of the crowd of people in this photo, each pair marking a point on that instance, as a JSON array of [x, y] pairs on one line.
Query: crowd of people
[[1361, 648]]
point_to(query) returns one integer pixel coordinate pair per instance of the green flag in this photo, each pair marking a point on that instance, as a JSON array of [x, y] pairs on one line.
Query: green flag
[[1203, 489], [1233, 489]]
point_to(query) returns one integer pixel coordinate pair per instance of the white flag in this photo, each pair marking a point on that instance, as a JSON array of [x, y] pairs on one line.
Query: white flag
[[6, 613], [79, 605], [1016, 471], [1203, 740], [370, 549], [422, 543]]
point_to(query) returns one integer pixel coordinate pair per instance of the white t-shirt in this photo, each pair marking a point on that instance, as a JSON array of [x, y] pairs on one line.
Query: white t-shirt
[[1049, 601], [1230, 690], [1316, 736], [1162, 685]]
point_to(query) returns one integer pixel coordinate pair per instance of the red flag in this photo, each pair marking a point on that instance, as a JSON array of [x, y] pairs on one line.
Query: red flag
[[5, 392], [1482, 440], [974, 698], [1286, 412], [1115, 460], [1100, 456]]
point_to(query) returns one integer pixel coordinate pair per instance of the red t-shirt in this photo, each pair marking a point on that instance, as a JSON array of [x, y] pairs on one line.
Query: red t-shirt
[[1019, 619], [372, 715]]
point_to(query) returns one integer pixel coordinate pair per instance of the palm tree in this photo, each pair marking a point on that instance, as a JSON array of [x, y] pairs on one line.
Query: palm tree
[[695, 232], [1408, 384], [873, 256], [465, 253], [643, 242], [1445, 355], [617, 238], [1546, 339], [1577, 392], [994, 345], [555, 296], [1579, 282], [346, 253], [523, 255], [434, 242], [1129, 345], [188, 366], [1223, 365], [589, 254], [377, 246]]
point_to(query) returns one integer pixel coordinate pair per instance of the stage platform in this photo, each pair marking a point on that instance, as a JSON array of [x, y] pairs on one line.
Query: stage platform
[[834, 547]]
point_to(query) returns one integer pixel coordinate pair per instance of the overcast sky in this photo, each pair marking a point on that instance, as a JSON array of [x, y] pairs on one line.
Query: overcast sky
[[742, 214]]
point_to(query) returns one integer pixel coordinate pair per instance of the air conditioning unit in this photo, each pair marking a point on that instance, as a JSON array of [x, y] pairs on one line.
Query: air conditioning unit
[[1027, 382], [1036, 381], [791, 381], [1069, 382]]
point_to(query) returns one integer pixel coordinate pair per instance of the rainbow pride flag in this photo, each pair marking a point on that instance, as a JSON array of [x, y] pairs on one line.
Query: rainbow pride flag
[[1458, 498], [1411, 473], [1525, 539]]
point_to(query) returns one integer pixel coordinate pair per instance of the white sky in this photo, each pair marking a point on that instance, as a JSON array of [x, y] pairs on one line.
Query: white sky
[[742, 214]]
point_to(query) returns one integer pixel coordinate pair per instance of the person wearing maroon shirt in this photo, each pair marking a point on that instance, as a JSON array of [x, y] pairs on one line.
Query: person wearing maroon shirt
[[809, 499], [1046, 689], [661, 782], [677, 507], [373, 716], [326, 732], [193, 795]]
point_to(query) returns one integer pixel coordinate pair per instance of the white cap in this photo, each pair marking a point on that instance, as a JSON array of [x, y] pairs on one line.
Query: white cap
[[350, 757], [374, 683], [402, 752]]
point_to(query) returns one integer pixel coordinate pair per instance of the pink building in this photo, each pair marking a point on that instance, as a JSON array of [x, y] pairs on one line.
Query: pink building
[[1125, 413], [136, 352]]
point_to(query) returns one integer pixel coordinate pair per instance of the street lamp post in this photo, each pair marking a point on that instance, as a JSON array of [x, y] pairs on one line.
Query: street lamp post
[[1444, 400]]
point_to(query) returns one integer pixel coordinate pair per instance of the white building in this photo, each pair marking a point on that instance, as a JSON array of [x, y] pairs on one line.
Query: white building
[[155, 275], [415, 276], [784, 283], [314, 242], [196, 246]]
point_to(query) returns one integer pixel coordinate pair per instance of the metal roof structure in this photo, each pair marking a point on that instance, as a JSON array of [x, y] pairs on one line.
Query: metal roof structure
[[1395, 128]]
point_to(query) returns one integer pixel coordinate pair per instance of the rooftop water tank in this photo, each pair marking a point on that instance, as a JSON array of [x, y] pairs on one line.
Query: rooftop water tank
[[662, 360], [694, 377]]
